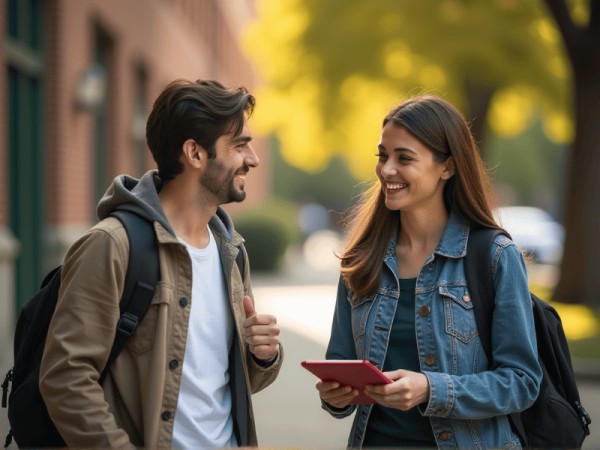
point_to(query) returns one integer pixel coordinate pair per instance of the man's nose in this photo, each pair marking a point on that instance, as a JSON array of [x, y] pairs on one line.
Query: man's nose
[[251, 158]]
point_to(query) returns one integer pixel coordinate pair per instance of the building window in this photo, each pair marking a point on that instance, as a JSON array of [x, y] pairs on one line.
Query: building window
[[25, 140]]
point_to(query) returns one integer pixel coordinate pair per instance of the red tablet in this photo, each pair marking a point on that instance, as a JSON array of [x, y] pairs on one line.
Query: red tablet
[[356, 373]]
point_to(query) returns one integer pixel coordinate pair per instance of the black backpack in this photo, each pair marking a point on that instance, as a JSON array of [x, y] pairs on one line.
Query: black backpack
[[30, 423], [557, 419]]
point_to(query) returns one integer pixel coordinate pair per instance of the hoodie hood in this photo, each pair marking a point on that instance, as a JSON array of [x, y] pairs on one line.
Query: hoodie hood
[[141, 197]]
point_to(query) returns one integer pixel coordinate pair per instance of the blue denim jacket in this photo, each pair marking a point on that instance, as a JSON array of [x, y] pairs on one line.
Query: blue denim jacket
[[468, 402]]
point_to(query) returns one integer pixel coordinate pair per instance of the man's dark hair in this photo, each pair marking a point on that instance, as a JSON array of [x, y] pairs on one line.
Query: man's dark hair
[[202, 111]]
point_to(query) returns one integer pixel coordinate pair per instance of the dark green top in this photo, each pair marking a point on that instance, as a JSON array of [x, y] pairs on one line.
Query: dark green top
[[388, 427]]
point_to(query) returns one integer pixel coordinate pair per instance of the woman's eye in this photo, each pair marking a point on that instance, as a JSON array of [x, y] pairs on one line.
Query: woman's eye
[[381, 156]]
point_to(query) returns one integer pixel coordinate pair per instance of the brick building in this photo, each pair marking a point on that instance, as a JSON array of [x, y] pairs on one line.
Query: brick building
[[78, 80]]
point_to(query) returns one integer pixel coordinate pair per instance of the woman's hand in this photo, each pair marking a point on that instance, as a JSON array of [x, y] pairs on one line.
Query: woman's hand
[[334, 394], [408, 390]]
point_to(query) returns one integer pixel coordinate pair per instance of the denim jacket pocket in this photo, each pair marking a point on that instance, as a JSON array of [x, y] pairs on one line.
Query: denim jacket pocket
[[458, 313]]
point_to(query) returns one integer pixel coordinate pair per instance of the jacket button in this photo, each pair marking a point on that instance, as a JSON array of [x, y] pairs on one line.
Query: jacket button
[[183, 301], [445, 436], [430, 360], [173, 364], [165, 416], [424, 311], [466, 298]]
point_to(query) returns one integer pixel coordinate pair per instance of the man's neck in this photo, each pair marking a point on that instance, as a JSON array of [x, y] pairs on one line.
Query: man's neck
[[187, 211]]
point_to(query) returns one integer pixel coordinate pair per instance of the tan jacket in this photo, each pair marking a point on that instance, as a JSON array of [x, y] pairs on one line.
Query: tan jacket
[[137, 403]]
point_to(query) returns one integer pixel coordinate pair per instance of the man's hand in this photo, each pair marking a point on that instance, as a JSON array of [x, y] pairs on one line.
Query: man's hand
[[261, 332]]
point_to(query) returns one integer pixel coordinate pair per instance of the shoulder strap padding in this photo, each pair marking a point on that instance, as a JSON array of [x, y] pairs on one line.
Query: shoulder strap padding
[[143, 273]]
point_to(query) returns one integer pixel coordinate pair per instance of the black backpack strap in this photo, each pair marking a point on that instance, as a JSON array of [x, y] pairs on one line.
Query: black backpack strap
[[143, 272], [483, 296], [480, 283]]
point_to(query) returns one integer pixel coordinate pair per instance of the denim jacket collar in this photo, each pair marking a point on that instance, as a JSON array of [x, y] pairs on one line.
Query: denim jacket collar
[[453, 243]]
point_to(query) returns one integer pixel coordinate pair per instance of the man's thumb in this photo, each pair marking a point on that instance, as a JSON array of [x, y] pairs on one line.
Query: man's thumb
[[249, 307]]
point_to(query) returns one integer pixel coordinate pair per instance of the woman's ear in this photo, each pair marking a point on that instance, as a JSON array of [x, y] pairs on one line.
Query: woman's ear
[[448, 169], [192, 153]]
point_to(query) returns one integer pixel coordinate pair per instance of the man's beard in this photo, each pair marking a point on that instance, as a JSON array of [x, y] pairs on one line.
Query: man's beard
[[219, 182]]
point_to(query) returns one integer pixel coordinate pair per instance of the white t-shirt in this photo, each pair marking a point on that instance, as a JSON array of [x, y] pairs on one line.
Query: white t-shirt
[[203, 417]]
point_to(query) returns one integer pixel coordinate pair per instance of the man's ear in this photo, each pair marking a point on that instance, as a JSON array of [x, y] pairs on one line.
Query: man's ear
[[449, 169], [193, 153]]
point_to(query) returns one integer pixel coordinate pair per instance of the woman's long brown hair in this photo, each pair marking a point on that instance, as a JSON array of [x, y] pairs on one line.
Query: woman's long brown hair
[[444, 131]]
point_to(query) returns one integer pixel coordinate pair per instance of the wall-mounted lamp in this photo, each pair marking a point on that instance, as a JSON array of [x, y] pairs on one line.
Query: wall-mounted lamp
[[91, 88], [138, 125]]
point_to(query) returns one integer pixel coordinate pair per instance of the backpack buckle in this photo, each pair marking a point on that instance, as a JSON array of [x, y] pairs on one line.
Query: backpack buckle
[[7, 380], [584, 416], [128, 323]]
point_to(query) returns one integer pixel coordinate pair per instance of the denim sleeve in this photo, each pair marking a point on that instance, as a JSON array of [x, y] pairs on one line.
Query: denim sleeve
[[341, 342], [513, 383]]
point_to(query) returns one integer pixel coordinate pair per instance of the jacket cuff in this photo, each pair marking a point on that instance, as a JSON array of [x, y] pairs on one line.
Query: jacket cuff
[[265, 363], [338, 413], [441, 395]]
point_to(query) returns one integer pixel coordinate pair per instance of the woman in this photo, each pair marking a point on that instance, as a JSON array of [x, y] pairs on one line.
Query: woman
[[403, 302]]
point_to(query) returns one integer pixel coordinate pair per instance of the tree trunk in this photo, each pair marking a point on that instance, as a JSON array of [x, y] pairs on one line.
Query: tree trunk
[[579, 280], [479, 98]]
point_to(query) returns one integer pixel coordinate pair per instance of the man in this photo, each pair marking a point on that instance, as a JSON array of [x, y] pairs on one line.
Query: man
[[185, 377]]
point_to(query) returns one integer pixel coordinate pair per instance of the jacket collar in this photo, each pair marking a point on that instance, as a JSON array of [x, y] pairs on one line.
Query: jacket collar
[[453, 243]]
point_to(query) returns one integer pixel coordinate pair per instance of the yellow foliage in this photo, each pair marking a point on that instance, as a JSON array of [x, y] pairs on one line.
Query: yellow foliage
[[511, 111], [294, 114], [558, 127], [546, 30], [273, 40], [558, 66], [579, 321], [366, 104], [314, 122], [433, 76], [580, 12], [398, 60]]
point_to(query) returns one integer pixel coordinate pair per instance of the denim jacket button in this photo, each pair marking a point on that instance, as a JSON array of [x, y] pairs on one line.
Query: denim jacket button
[[430, 360], [424, 311], [445, 436], [466, 298]]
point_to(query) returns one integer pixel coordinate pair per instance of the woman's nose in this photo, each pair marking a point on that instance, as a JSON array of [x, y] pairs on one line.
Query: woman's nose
[[388, 169]]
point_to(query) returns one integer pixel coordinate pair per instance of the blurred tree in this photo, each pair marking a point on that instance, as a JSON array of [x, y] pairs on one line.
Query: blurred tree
[[334, 68], [579, 281]]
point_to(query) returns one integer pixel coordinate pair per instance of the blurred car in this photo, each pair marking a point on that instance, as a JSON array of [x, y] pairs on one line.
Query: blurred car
[[534, 231]]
